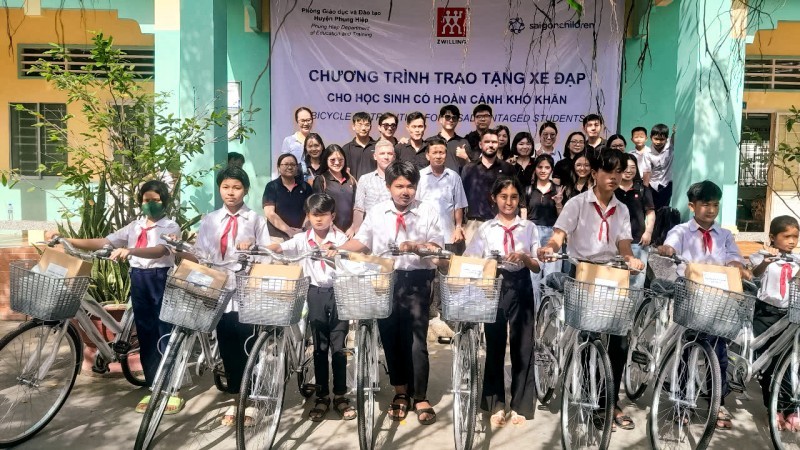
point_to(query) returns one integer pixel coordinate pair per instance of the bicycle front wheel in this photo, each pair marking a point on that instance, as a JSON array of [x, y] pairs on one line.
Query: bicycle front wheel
[[127, 346], [785, 399], [465, 387], [367, 381], [545, 366], [639, 364], [686, 399], [38, 367], [167, 383], [262, 391], [586, 404]]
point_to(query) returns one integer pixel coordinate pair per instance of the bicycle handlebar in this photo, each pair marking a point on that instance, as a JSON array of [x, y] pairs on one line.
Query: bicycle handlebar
[[102, 253], [788, 257]]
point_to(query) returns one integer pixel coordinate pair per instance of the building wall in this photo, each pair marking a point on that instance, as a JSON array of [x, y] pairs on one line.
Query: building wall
[[71, 27]]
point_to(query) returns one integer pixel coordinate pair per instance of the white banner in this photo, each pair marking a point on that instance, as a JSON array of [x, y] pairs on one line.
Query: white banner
[[531, 60]]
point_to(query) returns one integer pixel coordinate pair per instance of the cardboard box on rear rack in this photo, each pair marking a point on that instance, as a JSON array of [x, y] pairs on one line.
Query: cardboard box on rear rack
[[197, 279], [720, 277]]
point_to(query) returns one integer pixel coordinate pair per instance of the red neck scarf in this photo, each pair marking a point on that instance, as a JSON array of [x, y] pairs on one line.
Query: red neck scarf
[[141, 241], [604, 220], [401, 222], [708, 242], [786, 275], [508, 238], [231, 227]]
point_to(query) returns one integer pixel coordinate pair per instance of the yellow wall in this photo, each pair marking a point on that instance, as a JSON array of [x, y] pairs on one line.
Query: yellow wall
[[68, 27], [782, 41]]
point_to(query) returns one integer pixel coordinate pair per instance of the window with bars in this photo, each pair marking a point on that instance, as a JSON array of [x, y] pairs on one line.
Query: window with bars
[[772, 74], [31, 145], [141, 58], [754, 149]]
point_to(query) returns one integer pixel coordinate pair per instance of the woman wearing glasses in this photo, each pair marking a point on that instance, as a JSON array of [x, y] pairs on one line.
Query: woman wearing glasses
[[548, 133], [283, 200], [575, 145], [335, 180], [293, 144]]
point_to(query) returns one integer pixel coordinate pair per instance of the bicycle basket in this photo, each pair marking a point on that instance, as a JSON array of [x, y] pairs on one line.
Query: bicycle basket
[[42, 296], [711, 310], [599, 308], [469, 299], [193, 306], [270, 301], [364, 297]]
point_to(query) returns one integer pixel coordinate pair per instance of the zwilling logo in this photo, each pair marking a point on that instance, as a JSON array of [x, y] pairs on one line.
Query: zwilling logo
[[451, 22]]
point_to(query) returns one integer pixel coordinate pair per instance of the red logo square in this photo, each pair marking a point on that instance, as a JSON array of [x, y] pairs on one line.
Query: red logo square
[[451, 22]]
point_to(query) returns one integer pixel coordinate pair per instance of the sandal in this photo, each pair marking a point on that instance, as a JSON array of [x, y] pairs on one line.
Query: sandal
[[344, 408], [141, 407], [517, 419], [174, 405], [724, 420], [431, 419], [321, 407], [498, 419], [624, 422], [792, 422], [394, 407], [249, 416], [229, 418]]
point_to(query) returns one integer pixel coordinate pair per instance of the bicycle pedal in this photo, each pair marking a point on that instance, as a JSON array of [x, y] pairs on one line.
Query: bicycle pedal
[[542, 407], [640, 358], [444, 340], [99, 370], [121, 348]]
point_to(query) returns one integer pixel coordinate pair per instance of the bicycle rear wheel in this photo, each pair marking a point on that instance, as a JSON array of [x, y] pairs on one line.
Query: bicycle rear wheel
[[686, 398], [639, 364], [586, 404], [367, 381], [545, 366], [167, 383], [263, 389], [465, 386], [30, 396], [127, 346], [785, 399]]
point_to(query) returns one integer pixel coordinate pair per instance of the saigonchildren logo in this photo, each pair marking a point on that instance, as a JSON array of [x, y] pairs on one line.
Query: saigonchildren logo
[[451, 25]]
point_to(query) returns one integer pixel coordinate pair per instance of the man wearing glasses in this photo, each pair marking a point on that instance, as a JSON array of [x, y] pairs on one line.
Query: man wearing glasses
[[387, 126], [458, 149], [482, 117]]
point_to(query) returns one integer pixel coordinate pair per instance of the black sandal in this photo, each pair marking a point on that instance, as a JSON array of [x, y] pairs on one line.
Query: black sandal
[[429, 410], [348, 408], [394, 406], [317, 414]]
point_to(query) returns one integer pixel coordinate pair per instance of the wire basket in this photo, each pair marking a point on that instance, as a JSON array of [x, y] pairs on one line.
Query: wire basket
[[794, 301], [270, 301], [42, 296], [469, 299], [598, 308], [193, 306], [711, 310], [364, 297]]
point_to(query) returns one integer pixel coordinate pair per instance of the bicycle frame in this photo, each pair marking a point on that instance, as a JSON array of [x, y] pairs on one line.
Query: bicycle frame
[[789, 335], [91, 306]]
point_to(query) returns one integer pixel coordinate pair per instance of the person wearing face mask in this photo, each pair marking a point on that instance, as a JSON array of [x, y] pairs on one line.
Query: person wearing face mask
[[150, 260]]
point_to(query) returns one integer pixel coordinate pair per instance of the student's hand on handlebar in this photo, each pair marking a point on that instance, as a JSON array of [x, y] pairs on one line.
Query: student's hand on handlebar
[[408, 247], [517, 258], [51, 235], [665, 250], [634, 264], [120, 254], [244, 245], [746, 273], [458, 235], [545, 254]]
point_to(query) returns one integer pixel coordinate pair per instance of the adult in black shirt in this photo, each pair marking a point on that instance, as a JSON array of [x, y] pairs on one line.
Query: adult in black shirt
[[413, 150], [458, 149], [482, 117], [312, 152], [579, 179], [632, 193], [359, 152], [337, 182], [284, 199], [575, 145], [478, 178], [522, 149]]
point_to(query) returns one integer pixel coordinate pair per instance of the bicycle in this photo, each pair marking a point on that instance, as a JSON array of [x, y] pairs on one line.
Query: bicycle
[[194, 309], [42, 357], [689, 373], [282, 347]]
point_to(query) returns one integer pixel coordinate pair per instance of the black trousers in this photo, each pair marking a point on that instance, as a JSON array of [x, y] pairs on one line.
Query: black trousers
[[329, 334], [516, 313], [147, 292], [232, 336], [764, 317], [404, 333], [663, 196]]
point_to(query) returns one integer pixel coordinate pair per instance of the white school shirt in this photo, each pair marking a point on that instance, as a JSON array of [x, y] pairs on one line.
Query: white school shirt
[[491, 236], [770, 291], [687, 241], [579, 219], [446, 192], [380, 228], [661, 166], [643, 160], [127, 236], [321, 273], [370, 190], [252, 227]]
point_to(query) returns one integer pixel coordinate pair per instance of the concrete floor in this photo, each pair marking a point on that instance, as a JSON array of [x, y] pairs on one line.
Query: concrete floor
[[99, 415]]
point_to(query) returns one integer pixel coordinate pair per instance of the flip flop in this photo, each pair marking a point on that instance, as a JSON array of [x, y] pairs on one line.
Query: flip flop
[[174, 405], [141, 407], [229, 418], [249, 416], [624, 422], [517, 419]]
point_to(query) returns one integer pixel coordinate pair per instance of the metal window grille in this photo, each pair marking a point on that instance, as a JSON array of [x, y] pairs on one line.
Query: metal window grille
[[142, 59], [772, 74], [31, 144]]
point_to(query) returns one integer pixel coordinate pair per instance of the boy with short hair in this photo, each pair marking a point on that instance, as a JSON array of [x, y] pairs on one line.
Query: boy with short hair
[[642, 153], [387, 126], [597, 226], [458, 149], [702, 240], [359, 151], [593, 127], [414, 148], [482, 116], [660, 157]]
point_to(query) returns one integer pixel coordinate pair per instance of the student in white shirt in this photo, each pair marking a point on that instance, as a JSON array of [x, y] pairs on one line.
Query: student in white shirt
[[597, 227], [661, 156], [328, 332], [221, 233], [517, 240], [642, 153], [776, 277], [150, 261], [412, 225], [443, 188]]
